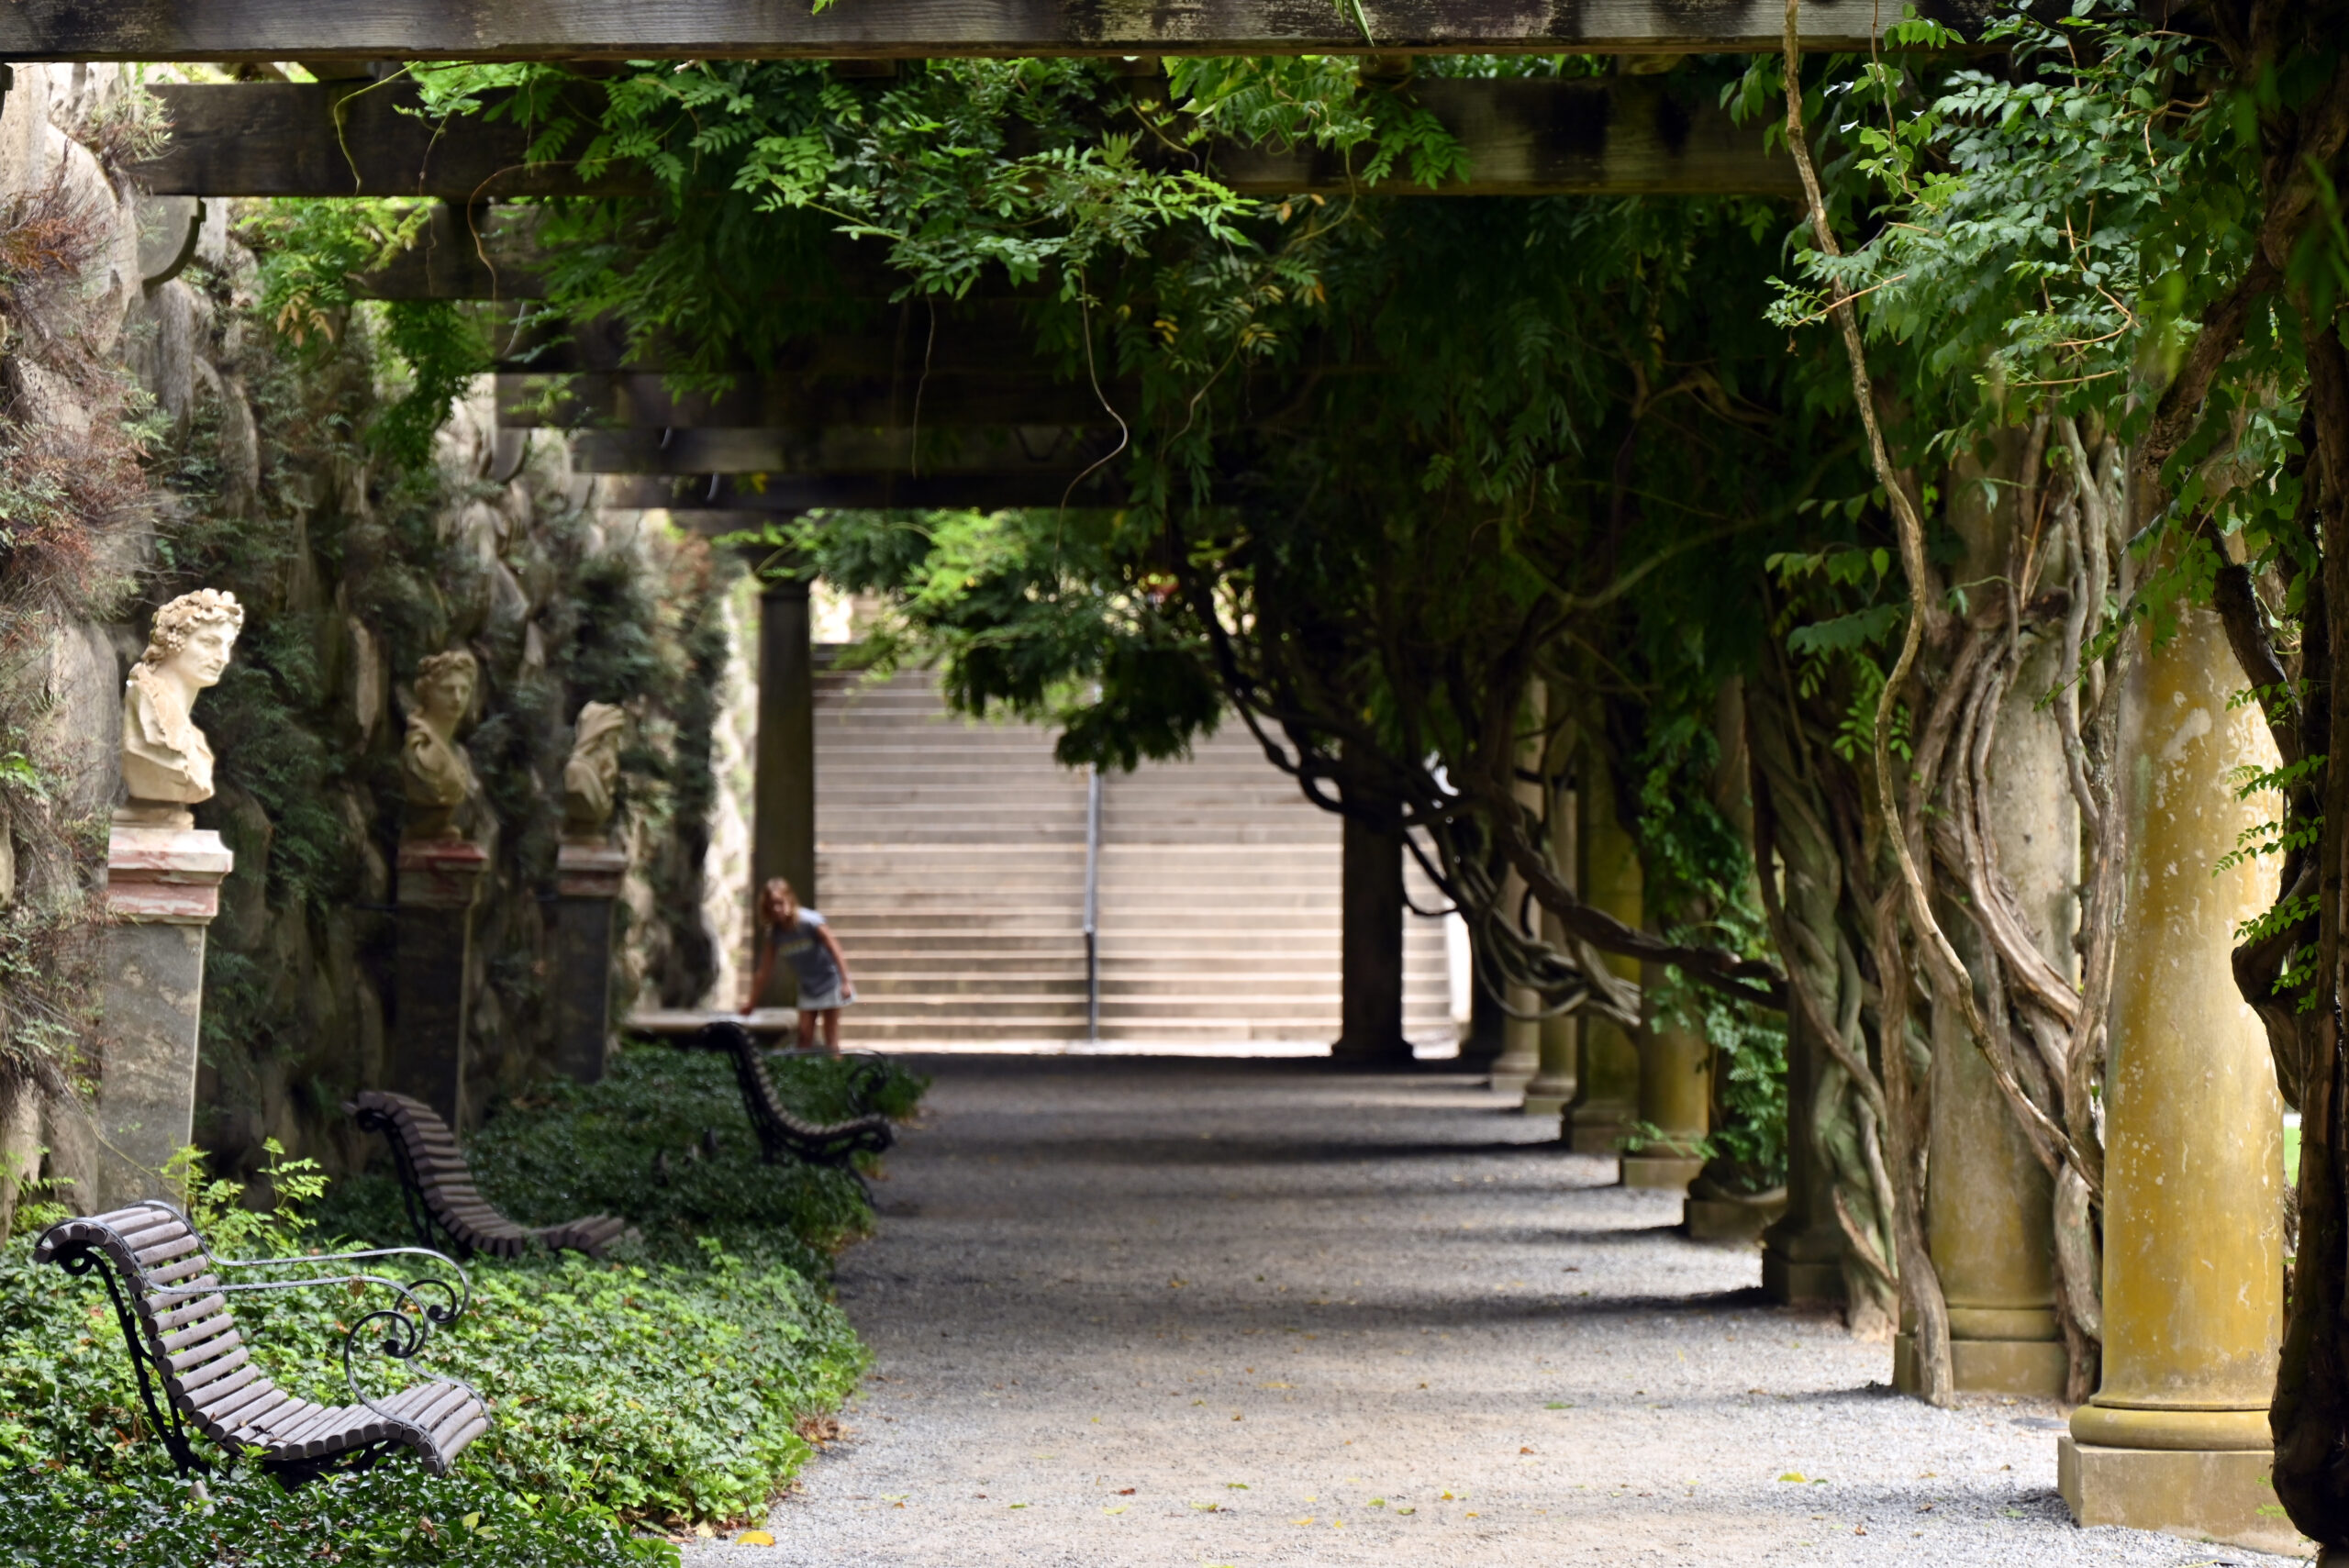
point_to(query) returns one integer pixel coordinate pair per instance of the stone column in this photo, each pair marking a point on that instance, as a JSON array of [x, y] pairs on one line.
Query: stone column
[[432, 988], [1371, 946], [1802, 1252], [1480, 1048], [1606, 1094], [163, 890], [1676, 1097], [1559, 1043], [782, 838], [1521, 1056], [2177, 1438], [587, 879]]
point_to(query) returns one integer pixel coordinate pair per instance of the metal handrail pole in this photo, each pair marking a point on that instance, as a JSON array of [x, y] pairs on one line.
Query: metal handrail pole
[[1093, 906]]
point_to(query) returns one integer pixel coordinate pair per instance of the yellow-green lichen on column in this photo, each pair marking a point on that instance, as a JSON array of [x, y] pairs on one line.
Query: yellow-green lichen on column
[[1676, 1098], [2193, 1237], [1607, 1088], [1552, 1088]]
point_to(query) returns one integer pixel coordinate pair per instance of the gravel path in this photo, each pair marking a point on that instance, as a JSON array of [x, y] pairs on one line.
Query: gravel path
[[1153, 1311]]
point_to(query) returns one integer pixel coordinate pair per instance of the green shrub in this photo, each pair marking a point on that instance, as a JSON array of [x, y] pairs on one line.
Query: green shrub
[[392, 1516], [669, 1382]]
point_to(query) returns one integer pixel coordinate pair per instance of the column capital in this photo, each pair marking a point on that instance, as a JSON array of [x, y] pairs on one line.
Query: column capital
[[166, 874], [586, 868], [440, 873]]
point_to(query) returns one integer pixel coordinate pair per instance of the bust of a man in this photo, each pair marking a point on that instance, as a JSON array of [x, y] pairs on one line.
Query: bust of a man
[[166, 764], [590, 777], [439, 775]]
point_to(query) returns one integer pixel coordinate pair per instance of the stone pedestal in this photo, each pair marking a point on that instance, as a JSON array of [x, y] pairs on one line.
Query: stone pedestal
[[2177, 1438], [1802, 1251], [432, 993], [1676, 1098], [587, 879], [163, 890], [1606, 1087]]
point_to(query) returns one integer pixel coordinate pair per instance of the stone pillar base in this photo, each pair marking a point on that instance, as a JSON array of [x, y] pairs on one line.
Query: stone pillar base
[[2032, 1368], [2226, 1495], [1739, 1220], [1662, 1173], [1598, 1130], [163, 890], [1548, 1099], [589, 875], [1797, 1281]]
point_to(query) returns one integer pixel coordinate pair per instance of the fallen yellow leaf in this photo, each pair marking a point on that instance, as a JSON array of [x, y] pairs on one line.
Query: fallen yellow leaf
[[754, 1538]]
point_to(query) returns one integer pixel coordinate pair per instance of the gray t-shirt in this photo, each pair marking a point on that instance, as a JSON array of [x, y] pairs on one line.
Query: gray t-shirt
[[798, 946]]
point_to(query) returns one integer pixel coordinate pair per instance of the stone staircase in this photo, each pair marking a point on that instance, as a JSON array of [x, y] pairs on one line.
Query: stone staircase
[[951, 859]]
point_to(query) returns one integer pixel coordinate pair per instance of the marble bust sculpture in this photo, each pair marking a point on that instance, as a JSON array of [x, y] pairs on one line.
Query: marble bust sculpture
[[590, 777], [166, 764], [439, 775]]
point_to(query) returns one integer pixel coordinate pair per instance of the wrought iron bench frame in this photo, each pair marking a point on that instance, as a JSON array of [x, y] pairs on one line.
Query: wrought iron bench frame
[[131, 1249], [429, 1215], [780, 1133]]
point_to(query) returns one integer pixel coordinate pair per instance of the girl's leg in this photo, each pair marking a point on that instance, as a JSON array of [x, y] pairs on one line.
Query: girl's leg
[[831, 1031], [806, 1029]]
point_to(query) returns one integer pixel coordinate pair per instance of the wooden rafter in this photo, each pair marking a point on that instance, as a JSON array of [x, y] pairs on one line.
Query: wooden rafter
[[1524, 136], [637, 29]]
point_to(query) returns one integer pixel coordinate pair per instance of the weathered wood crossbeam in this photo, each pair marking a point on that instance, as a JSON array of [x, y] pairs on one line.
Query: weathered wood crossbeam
[[1524, 136], [846, 452], [740, 509], [670, 29], [644, 400]]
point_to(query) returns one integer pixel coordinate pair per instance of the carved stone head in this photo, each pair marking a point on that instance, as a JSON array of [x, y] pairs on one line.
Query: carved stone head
[[591, 776]]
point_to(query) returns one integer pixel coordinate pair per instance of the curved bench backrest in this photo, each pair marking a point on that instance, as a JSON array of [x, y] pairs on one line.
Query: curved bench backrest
[[780, 1131], [443, 1178], [162, 1284]]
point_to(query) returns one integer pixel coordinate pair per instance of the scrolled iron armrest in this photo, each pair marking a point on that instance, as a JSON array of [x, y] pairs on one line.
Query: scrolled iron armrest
[[454, 1297]]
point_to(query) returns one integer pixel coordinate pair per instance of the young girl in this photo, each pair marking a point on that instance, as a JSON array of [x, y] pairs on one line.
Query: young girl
[[801, 937]]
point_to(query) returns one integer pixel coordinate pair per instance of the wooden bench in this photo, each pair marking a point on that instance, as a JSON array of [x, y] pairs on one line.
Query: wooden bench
[[781, 1133], [173, 1311], [437, 1188]]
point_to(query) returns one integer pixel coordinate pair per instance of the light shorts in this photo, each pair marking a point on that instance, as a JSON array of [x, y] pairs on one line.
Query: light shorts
[[824, 1000]]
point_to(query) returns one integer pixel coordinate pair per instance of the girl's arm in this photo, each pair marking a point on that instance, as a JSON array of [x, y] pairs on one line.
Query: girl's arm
[[759, 977], [839, 959]]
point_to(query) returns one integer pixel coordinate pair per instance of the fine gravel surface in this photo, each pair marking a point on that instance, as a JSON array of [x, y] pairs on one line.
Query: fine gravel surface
[[1177, 1313]]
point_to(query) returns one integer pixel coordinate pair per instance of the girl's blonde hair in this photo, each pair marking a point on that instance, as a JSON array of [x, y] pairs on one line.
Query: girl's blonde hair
[[777, 887]]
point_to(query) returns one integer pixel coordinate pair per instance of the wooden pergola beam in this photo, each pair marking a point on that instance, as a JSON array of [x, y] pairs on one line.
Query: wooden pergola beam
[[1525, 137], [1034, 451], [1006, 394], [717, 504], [163, 30]]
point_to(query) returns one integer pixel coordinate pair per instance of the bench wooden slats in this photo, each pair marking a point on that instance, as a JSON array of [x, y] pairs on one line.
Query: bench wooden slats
[[219, 1394], [441, 1194], [164, 1251], [779, 1131], [167, 1321], [206, 1369], [197, 1332], [194, 1356]]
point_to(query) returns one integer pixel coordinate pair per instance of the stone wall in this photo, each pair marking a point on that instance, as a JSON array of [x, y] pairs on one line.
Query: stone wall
[[252, 472]]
